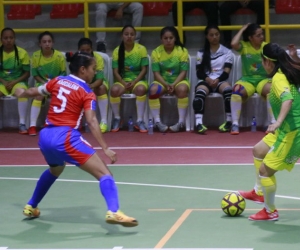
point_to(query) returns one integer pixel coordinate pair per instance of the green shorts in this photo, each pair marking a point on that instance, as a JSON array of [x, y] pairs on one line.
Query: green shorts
[[284, 150], [5, 92], [144, 83], [182, 82], [251, 88]]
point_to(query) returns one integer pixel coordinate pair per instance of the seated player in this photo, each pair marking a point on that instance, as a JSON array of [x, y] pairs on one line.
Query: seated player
[[170, 64], [213, 66]]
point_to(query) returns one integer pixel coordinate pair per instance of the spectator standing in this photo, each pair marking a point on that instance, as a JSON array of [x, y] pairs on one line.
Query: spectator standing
[[134, 8], [14, 72]]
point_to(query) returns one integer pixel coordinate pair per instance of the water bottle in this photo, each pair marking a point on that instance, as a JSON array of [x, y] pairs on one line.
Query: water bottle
[[150, 127], [253, 124], [130, 124]]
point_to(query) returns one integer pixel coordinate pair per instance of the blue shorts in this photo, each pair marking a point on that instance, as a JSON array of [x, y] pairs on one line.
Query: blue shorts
[[64, 144]]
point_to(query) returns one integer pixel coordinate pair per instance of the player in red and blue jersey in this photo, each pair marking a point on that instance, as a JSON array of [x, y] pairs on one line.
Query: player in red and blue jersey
[[61, 142]]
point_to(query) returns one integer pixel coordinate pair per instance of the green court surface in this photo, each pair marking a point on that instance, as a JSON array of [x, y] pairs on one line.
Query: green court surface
[[178, 207]]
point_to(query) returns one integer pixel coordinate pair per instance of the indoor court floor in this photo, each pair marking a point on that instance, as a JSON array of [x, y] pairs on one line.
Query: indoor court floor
[[178, 206]]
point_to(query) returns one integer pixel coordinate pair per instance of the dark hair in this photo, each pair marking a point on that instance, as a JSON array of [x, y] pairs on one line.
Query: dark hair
[[174, 31], [45, 33], [250, 31], [84, 41], [121, 53], [40, 36], [1, 48], [205, 64], [282, 60], [78, 60]]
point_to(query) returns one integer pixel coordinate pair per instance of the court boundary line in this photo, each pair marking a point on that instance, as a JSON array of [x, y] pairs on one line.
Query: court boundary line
[[143, 165], [143, 148], [144, 184]]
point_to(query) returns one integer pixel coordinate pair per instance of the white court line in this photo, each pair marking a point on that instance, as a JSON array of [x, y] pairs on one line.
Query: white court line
[[145, 185], [156, 147], [146, 165], [143, 165], [121, 248]]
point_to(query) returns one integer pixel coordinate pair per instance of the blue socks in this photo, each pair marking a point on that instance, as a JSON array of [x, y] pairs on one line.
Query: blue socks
[[42, 186], [109, 191]]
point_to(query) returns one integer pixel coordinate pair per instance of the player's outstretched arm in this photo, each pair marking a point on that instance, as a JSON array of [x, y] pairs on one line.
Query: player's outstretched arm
[[92, 122], [25, 93]]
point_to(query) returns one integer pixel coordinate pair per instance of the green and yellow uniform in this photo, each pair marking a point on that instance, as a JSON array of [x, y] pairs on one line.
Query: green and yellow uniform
[[47, 67], [285, 143], [12, 69], [170, 65], [100, 70], [254, 76], [134, 61]]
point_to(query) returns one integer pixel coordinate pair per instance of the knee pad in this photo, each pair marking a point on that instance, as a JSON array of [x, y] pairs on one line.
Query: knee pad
[[199, 101], [157, 93], [237, 89]]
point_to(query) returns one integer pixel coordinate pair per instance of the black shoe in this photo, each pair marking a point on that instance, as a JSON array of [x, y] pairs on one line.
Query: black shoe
[[101, 47]]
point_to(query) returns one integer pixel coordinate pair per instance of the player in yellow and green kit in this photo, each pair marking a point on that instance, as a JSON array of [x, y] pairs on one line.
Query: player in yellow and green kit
[[170, 64], [14, 72], [254, 77], [280, 149], [99, 83], [130, 65], [46, 64]]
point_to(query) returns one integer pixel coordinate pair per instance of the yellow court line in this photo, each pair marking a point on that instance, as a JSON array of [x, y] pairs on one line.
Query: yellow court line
[[173, 229]]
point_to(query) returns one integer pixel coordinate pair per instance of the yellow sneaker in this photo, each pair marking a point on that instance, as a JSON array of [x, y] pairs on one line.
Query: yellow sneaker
[[29, 211], [103, 127], [120, 218]]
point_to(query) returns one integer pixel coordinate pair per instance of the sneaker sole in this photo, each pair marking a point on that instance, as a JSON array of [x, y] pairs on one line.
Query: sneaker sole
[[124, 224], [140, 130], [234, 133], [32, 134], [163, 131], [23, 132], [274, 219], [224, 131], [31, 215], [115, 130]]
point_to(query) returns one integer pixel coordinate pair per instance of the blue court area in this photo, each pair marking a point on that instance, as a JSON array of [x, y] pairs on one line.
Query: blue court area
[[178, 207]]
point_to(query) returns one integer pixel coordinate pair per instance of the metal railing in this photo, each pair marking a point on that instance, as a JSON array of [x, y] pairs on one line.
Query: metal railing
[[86, 29]]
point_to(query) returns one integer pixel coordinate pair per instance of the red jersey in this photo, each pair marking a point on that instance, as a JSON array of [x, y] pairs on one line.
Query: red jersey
[[70, 96]]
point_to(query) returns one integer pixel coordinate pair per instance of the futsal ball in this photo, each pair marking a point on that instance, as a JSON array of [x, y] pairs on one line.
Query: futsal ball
[[233, 204]]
